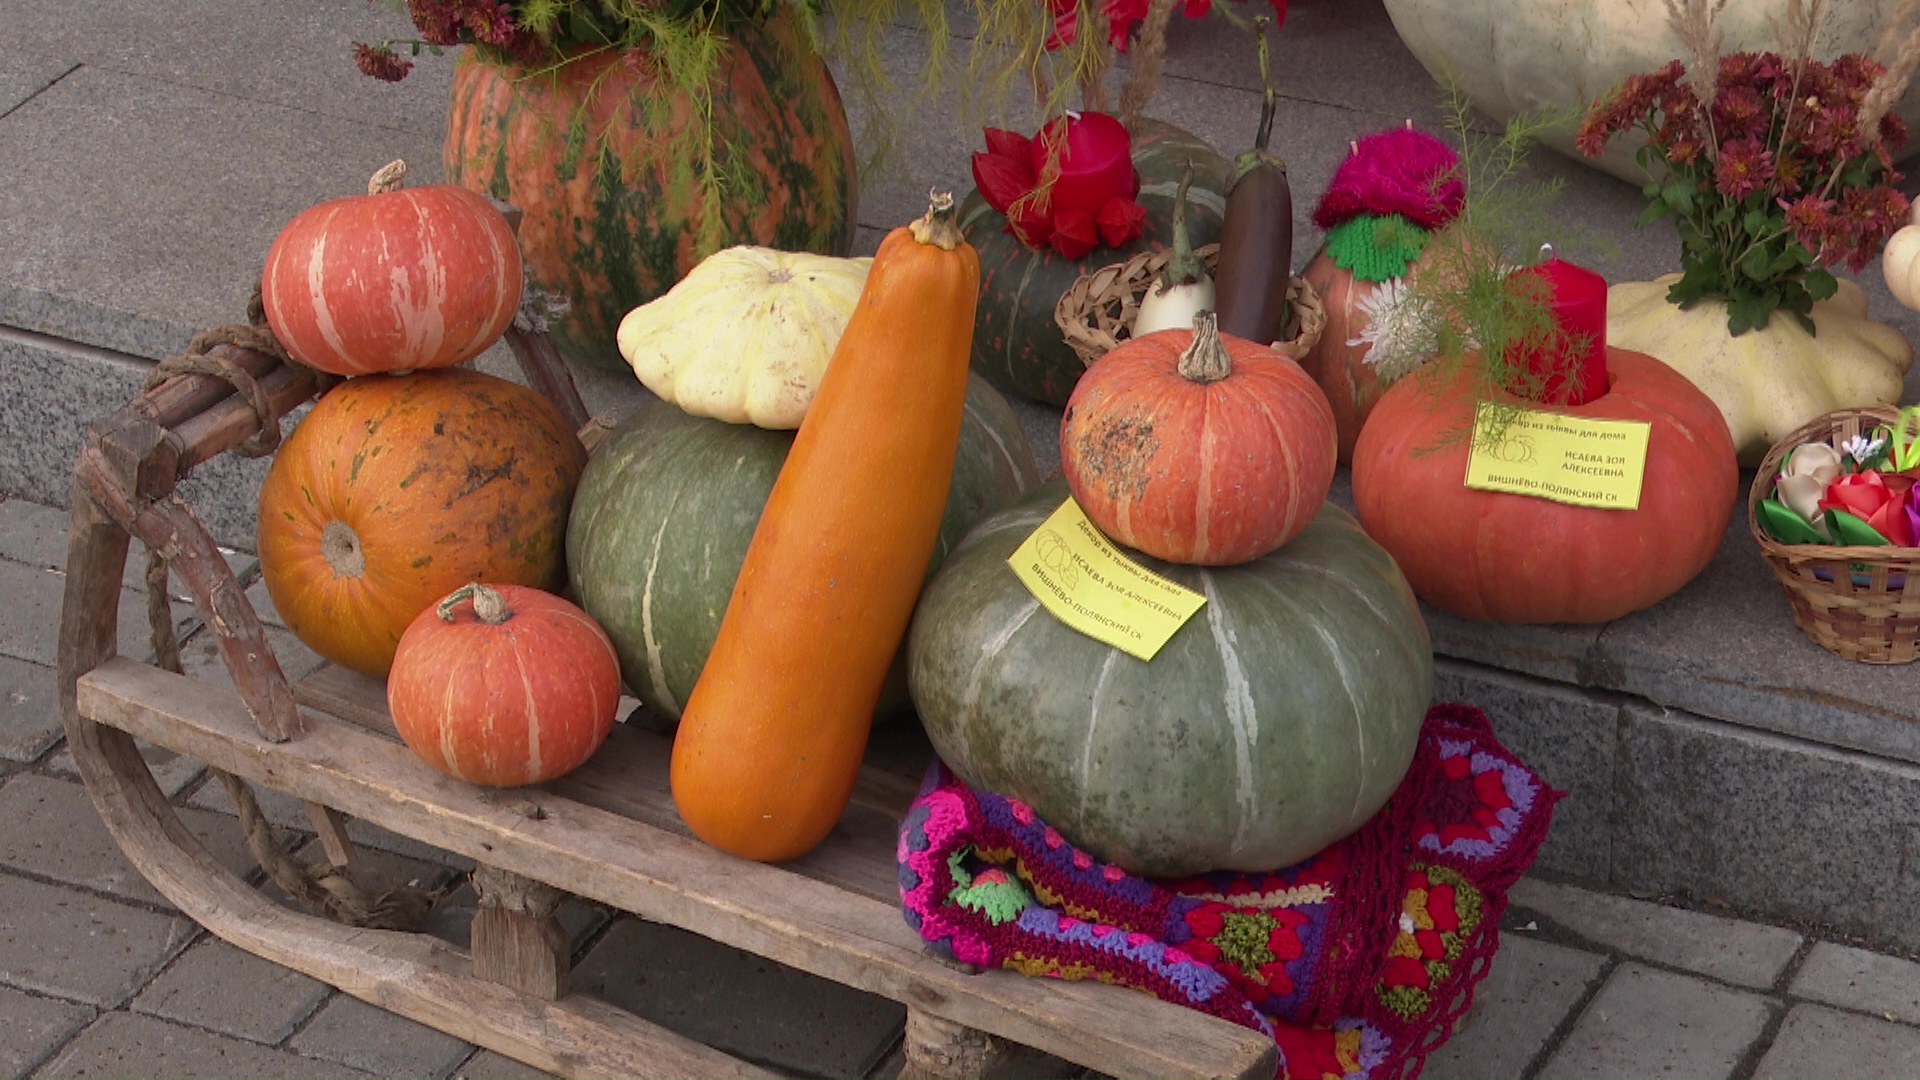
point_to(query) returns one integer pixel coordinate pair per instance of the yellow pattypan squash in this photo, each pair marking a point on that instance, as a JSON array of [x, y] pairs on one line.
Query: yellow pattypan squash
[[1767, 382], [746, 335]]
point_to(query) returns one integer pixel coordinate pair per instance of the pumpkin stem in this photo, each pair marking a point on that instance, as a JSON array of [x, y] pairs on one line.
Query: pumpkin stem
[[489, 606], [1205, 359], [939, 226], [1183, 267], [388, 178], [1269, 104], [341, 547]]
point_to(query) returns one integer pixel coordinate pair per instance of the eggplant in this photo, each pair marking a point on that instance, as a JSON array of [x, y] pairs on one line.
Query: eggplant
[[1256, 234]]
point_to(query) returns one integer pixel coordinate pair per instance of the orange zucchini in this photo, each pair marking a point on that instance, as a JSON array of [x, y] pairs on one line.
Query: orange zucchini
[[774, 732]]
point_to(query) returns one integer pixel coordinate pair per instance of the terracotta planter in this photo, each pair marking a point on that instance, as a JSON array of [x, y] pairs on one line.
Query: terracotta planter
[[614, 214]]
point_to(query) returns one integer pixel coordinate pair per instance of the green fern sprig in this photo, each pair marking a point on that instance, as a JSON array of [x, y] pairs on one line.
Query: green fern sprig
[[1465, 302]]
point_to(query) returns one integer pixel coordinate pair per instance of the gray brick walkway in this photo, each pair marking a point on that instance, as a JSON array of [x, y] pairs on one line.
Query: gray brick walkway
[[99, 977]]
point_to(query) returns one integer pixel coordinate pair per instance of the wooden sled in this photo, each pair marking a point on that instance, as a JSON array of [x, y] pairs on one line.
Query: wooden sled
[[608, 832]]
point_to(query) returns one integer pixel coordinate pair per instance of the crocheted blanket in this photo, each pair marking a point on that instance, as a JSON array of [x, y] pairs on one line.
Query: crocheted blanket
[[1357, 961]]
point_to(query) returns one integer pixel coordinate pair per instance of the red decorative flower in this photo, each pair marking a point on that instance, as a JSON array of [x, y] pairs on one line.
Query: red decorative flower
[[1441, 908], [1311, 1053], [1405, 971], [1080, 197]]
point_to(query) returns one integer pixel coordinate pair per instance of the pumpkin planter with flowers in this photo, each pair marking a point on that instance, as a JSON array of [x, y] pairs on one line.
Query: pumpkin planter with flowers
[[504, 686], [1785, 172]]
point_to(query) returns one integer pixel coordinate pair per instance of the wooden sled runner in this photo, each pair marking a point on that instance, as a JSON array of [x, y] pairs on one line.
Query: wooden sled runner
[[608, 832]]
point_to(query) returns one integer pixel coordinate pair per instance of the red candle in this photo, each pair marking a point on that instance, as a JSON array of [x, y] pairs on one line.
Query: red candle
[[1096, 161], [1579, 304]]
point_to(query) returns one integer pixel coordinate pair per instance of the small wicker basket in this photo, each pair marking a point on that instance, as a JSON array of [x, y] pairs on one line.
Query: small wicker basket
[[1860, 602], [1095, 313]]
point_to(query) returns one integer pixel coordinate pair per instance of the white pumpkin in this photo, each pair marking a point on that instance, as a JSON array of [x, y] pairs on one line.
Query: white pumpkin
[[1900, 261], [1767, 382], [1515, 56], [746, 335]]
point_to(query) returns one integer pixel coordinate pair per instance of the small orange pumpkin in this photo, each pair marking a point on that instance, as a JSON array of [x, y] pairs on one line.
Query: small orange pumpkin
[[504, 686], [398, 279], [397, 489], [1198, 447]]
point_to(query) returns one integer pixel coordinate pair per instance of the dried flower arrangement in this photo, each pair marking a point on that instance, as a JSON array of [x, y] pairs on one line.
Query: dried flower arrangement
[[1774, 165]]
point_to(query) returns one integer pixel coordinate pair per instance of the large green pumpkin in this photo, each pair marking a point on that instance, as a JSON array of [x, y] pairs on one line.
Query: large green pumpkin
[[1016, 343], [1275, 722], [668, 503], [613, 208]]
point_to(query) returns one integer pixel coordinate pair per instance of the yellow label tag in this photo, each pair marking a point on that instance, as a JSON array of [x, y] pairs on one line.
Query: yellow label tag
[[1569, 459], [1077, 574]]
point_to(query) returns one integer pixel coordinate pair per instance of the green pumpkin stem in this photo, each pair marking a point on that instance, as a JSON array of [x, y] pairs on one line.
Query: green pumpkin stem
[[940, 226], [1183, 266], [1205, 359], [389, 178], [489, 606], [1269, 104]]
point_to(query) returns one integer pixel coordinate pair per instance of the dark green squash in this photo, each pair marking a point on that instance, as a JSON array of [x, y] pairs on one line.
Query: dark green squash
[[668, 503], [1016, 343], [1275, 722]]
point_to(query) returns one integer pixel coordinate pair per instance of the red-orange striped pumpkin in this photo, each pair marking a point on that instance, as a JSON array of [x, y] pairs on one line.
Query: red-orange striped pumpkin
[[504, 685], [1198, 447], [398, 279]]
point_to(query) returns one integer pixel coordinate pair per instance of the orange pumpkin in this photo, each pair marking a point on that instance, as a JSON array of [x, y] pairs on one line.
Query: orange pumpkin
[[774, 731], [1198, 447], [1351, 384], [1516, 558], [504, 686], [397, 279], [397, 489]]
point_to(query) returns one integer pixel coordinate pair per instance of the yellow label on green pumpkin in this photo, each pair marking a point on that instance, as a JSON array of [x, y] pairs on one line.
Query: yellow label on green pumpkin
[[1569, 459], [1077, 574]]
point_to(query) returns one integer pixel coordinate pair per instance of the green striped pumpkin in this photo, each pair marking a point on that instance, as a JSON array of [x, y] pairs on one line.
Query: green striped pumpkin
[[1275, 722], [613, 209], [1016, 343], [668, 503]]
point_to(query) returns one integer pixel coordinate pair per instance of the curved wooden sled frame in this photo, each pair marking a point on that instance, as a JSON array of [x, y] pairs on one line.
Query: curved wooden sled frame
[[619, 844]]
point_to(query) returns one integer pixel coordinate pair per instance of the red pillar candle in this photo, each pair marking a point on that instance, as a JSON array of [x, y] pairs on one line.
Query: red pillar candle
[[1579, 305], [1096, 161]]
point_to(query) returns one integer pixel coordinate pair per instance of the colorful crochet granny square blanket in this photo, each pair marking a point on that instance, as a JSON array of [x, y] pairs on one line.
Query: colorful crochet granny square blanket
[[1357, 961]]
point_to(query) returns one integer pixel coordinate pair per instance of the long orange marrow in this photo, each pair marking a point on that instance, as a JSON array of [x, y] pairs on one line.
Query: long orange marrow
[[775, 729]]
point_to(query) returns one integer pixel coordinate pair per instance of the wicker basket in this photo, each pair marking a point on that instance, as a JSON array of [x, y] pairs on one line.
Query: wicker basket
[[1095, 313], [1860, 602]]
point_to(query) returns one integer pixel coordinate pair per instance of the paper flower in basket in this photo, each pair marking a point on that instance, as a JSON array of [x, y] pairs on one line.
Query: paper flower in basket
[[1880, 501], [1792, 515], [1071, 187]]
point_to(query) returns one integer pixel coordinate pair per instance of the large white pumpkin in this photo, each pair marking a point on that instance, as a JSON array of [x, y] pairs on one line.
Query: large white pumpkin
[[1514, 56]]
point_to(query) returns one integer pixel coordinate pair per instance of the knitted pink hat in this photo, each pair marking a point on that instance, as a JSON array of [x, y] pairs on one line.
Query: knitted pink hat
[[1398, 171]]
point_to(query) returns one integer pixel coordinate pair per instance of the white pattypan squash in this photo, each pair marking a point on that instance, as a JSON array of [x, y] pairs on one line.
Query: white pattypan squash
[[1900, 261], [1514, 56], [1766, 382], [746, 335]]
